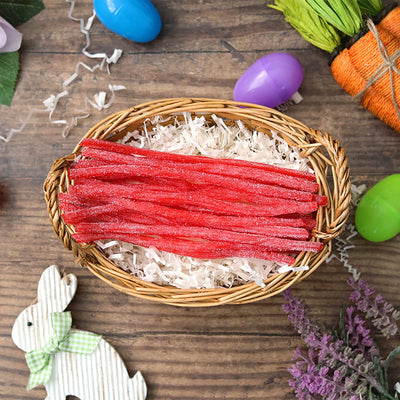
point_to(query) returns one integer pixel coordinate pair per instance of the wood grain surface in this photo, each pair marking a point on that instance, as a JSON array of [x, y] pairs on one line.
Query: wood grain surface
[[228, 352]]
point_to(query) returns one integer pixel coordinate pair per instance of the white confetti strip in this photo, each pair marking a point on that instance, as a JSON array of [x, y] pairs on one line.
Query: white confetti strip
[[343, 243], [287, 268], [99, 102]]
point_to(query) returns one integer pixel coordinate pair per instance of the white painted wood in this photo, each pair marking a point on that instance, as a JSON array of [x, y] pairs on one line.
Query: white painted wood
[[101, 375]]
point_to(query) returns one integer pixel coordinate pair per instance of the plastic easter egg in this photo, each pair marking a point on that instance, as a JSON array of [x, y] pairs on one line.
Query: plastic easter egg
[[10, 38], [378, 214], [270, 81], [3, 37], [136, 20]]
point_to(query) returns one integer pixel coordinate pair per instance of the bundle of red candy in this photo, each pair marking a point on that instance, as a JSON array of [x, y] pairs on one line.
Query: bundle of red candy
[[190, 205]]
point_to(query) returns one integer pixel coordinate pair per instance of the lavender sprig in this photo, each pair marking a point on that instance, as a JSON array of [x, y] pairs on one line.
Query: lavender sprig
[[358, 336], [297, 311], [382, 314], [345, 368], [310, 379]]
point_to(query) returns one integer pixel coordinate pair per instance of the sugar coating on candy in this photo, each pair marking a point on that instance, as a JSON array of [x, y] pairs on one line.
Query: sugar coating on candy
[[195, 136], [274, 176]]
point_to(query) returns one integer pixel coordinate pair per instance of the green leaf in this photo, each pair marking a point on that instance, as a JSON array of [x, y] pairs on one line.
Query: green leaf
[[9, 66], [394, 353], [342, 330], [16, 12], [379, 372], [370, 7]]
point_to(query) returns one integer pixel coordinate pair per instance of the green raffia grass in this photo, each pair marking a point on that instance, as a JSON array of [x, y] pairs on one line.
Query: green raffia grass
[[313, 28], [370, 7], [325, 22], [344, 15]]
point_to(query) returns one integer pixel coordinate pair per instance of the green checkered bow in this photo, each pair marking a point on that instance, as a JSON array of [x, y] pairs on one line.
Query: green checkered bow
[[40, 361]]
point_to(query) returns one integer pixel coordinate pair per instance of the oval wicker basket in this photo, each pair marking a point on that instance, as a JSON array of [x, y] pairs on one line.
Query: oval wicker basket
[[326, 158]]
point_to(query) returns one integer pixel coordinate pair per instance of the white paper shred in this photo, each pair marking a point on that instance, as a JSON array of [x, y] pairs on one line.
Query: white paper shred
[[195, 136], [343, 243], [287, 268], [99, 99]]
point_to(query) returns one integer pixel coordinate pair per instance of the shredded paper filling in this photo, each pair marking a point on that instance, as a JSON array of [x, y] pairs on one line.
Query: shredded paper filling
[[195, 136]]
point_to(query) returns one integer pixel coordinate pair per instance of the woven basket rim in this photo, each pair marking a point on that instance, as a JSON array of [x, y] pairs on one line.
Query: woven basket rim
[[325, 155]]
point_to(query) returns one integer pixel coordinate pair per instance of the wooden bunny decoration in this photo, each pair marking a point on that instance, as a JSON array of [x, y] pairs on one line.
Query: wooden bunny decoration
[[68, 361]]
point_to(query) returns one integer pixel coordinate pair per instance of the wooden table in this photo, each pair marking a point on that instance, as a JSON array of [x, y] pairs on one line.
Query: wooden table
[[228, 352]]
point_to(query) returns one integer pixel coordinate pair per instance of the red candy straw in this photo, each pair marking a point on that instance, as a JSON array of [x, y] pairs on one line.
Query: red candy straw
[[190, 205], [196, 199], [236, 171], [126, 149], [207, 250], [270, 226], [268, 243], [124, 171]]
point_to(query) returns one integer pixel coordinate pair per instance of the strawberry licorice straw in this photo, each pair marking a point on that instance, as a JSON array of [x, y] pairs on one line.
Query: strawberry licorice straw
[[202, 250], [236, 171], [200, 232], [197, 199], [134, 210], [179, 158], [177, 172], [193, 206]]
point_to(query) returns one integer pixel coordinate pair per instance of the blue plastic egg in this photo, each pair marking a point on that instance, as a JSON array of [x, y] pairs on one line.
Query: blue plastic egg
[[136, 20]]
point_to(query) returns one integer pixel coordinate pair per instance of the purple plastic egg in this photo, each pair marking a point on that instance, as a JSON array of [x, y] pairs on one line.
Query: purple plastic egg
[[270, 81]]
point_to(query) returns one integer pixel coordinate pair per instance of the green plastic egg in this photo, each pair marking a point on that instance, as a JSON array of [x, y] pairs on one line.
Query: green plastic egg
[[378, 214]]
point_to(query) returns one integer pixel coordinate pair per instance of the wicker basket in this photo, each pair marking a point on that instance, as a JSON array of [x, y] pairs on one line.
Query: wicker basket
[[325, 155]]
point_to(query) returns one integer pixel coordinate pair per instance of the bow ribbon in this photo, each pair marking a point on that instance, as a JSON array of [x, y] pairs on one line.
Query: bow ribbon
[[40, 362]]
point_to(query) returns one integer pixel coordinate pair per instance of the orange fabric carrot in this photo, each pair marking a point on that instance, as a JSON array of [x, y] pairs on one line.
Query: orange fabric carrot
[[368, 68], [354, 67], [392, 23]]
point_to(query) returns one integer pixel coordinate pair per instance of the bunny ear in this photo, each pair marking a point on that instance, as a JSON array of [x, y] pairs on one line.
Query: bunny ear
[[54, 291]]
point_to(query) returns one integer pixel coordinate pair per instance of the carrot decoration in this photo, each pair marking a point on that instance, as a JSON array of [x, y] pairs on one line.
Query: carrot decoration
[[364, 42]]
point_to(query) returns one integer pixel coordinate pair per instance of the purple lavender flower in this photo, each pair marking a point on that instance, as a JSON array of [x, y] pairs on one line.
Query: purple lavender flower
[[311, 379], [333, 369], [358, 335], [297, 312], [382, 314]]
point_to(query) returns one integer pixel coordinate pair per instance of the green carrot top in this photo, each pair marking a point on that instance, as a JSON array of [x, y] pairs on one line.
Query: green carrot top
[[324, 23]]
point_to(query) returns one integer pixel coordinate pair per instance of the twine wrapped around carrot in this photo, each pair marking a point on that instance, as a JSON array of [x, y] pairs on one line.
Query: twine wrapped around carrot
[[367, 66], [368, 70]]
